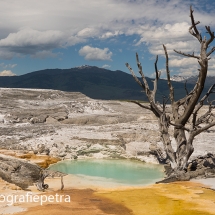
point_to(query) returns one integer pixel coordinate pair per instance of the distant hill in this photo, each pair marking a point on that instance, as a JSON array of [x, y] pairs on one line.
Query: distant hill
[[92, 81], [210, 80]]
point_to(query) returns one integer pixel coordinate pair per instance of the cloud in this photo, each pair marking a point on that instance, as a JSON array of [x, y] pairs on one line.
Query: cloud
[[175, 37], [8, 65], [188, 71], [11, 65], [33, 28], [163, 33], [88, 32], [106, 66], [32, 42], [30, 37], [38, 44], [91, 53], [7, 73], [109, 34], [189, 66], [183, 62], [44, 54], [211, 67]]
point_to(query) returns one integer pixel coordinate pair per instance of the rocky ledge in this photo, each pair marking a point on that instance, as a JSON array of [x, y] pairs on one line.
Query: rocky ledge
[[200, 167], [18, 171]]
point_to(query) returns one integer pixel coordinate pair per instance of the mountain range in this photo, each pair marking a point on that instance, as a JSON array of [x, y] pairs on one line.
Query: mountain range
[[210, 80], [97, 83]]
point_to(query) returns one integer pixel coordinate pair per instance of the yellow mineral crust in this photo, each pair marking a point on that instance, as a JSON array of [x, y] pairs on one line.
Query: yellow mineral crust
[[165, 199]]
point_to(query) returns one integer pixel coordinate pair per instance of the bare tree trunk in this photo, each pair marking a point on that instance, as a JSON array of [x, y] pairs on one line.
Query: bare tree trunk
[[179, 135], [165, 138], [179, 158], [184, 148]]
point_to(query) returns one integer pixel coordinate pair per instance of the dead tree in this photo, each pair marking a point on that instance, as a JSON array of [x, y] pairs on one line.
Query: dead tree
[[184, 114]]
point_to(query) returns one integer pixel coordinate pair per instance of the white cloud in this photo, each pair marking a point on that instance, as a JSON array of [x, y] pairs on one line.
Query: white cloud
[[8, 65], [211, 64], [38, 44], [31, 37], [34, 27], [7, 73], [183, 62], [91, 53], [164, 33], [189, 66], [88, 32], [211, 67], [106, 66], [30, 41], [110, 34], [188, 71], [174, 36]]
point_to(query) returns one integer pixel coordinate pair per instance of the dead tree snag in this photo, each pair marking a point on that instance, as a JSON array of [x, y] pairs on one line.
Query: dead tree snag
[[184, 114]]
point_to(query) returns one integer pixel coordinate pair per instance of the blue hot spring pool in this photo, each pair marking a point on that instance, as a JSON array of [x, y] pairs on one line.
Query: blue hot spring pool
[[125, 172]]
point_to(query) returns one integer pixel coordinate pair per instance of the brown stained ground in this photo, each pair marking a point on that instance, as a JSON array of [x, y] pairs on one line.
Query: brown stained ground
[[163, 199], [82, 202]]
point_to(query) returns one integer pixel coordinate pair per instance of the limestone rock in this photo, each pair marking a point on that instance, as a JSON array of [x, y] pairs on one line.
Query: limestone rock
[[18, 171], [51, 120]]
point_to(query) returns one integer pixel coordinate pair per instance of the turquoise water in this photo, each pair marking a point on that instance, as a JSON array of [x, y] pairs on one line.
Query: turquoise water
[[120, 171]]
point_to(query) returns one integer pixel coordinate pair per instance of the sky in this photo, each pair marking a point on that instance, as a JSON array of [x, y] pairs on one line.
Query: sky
[[37, 35]]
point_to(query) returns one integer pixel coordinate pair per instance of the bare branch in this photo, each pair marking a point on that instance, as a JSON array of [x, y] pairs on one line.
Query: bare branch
[[164, 103], [211, 35], [195, 33], [153, 107], [179, 126], [211, 51], [185, 87], [143, 106], [196, 122], [197, 90], [201, 102], [185, 100], [142, 75], [158, 73], [135, 77], [204, 118], [187, 55], [198, 131], [156, 68], [150, 94], [171, 89]]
